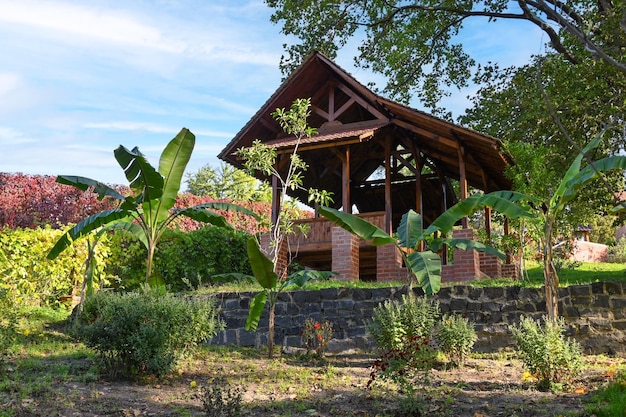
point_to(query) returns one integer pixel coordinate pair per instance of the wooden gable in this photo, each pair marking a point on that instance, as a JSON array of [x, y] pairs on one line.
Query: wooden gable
[[371, 152]]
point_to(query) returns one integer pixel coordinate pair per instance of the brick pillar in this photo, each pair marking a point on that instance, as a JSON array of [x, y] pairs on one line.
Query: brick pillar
[[388, 263], [466, 265], [282, 261], [490, 265], [345, 254]]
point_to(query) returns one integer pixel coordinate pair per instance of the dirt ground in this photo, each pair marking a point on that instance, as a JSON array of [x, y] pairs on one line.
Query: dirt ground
[[291, 386]]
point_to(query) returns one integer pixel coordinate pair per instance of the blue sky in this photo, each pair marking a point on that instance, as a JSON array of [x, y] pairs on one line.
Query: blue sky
[[79, 78]]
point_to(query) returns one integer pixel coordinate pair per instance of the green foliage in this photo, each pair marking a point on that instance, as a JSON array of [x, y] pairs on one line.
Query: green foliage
[[315, 336], [609, 401], [396, 321], [220, 399], [415, 47], [8, 324], [144, 333], [29, 278], [455, 336], [188, 260], [617, 252], [146, 213], [408, 367], [549, 356], [419, 246], [227, 182]]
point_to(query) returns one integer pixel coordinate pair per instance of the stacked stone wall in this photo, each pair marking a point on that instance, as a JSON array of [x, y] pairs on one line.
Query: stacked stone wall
[[595, 314]]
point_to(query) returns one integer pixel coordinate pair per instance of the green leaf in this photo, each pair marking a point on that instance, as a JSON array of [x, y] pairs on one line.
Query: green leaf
[[573, 170], [204, 216], [133, 228], [84, 184], [262, 266], [172, 164], [411, 230], [504, 202], [590, 173], [256, 309], [357, 226], [217, 205], [426, 266], [300, 278], [465, 244], [84, 227], [141, 176]]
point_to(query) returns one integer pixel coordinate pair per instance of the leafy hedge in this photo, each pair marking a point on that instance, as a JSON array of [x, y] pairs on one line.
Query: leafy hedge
[[28, 278], [185, 260]]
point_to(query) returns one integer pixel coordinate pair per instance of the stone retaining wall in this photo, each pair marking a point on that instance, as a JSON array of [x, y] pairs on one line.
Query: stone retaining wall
[[595, 314]]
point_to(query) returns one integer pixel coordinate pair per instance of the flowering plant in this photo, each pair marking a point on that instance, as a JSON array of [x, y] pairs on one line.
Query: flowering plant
[[315, 336]]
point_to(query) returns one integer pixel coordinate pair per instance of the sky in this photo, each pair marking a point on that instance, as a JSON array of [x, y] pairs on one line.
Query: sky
[[79, 78]]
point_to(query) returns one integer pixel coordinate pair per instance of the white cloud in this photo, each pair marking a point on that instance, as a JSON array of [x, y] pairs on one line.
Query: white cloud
[[81, 21]]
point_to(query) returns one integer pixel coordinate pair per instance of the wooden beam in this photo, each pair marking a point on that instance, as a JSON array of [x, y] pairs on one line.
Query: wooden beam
[[345, 182], [367, 106], [388, 204]]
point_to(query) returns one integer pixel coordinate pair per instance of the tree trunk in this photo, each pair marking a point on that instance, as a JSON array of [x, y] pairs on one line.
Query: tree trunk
[[270, 333], [151, 248], [550, 277]]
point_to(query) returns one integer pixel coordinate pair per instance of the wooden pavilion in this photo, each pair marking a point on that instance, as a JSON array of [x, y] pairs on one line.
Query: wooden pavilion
[[379, 158]]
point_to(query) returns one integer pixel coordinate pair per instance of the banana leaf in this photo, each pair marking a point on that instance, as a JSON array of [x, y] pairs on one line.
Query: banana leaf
[[84, 184], [357, 226]]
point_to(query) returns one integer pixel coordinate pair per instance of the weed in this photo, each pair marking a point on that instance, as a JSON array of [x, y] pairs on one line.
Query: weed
[[550, 357], [610, 401], [315, 336], [455, 336], [220, 399]]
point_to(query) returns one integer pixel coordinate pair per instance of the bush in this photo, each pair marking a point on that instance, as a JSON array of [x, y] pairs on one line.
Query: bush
[[617, 252], [551, 358], [455, 336], [316, 336], [394, 322], [185, 260], [29, 278], [144, 333]]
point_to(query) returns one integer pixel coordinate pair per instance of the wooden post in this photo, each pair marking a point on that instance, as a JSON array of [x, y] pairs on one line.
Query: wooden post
[[345, 182], [388, 205], [462, 181]]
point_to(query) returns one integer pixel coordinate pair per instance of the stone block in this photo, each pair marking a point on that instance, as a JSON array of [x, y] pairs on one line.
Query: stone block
[[602, 301], [618, 302], [580, 290], [619, 325], [493, 293], [614, 288], [458, 304], [361, 294], [598, 288], [246, 338]]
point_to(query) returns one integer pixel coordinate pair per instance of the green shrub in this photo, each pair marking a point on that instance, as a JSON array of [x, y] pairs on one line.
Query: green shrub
[[396, 321], [617, 252], [143, 332], [455, 336], [548, 355], [609, 401], [185, 260], [29, 278]]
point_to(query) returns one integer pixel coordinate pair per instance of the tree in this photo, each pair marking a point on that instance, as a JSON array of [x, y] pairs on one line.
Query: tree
[[227, 182], [146, 212], [414, 44], [515, 104]]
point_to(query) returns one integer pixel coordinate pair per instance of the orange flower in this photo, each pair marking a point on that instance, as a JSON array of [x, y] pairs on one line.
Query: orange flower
[[317, 326]]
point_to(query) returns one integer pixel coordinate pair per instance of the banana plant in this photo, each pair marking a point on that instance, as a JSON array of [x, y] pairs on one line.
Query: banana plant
[[572, 182], [149, 209], [418, 245], [272, 286]]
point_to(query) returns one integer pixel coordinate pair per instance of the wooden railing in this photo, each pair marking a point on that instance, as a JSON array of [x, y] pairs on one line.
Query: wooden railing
[[319, 230]]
